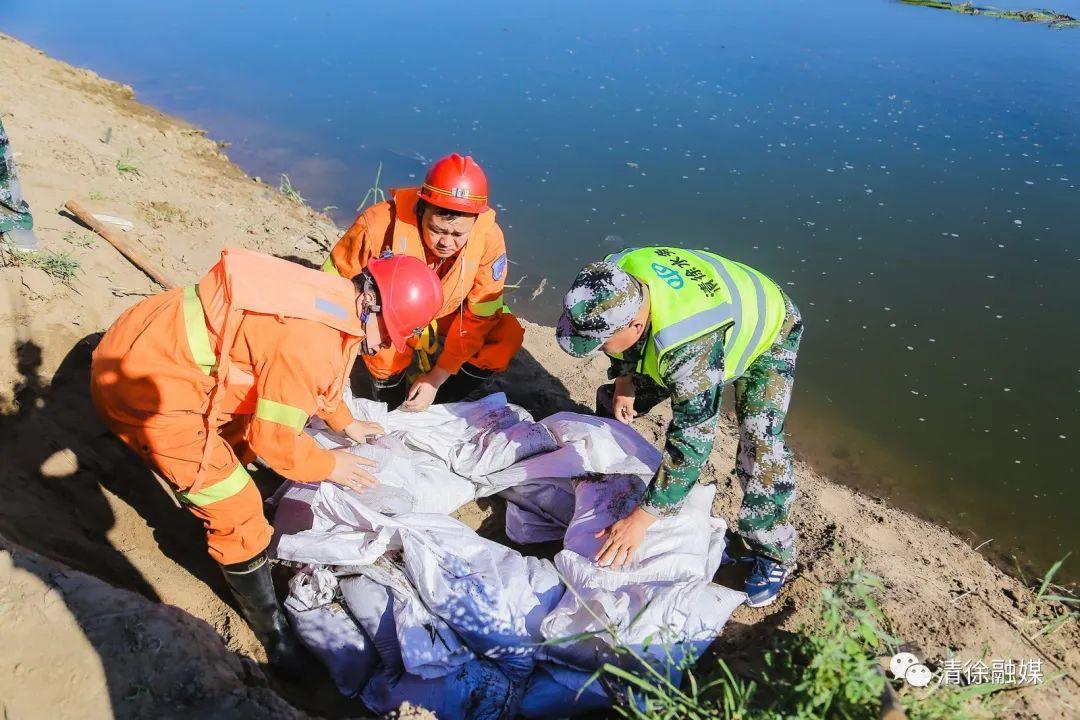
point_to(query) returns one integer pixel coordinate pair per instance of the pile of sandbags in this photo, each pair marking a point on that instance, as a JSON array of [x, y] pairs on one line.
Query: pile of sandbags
[[403, 603]]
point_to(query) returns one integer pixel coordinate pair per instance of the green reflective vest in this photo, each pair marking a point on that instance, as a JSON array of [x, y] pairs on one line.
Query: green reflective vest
[[692, 293]]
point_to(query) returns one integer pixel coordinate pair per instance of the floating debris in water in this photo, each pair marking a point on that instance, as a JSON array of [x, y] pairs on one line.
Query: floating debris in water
[[539, 289], [1050, 17]]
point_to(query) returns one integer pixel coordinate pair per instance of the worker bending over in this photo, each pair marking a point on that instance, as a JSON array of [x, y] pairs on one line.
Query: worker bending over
[[200, 380], [681, 324], [448, 225]]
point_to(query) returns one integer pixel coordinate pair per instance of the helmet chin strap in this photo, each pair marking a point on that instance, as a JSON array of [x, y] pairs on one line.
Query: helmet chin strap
[[369, 286]]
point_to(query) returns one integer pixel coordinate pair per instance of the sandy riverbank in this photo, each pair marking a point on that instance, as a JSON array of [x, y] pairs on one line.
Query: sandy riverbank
[[71, 495]]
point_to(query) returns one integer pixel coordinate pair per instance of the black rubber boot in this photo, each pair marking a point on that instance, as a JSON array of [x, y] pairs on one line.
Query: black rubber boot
[[391, 391], [463, 383], [253, 589]]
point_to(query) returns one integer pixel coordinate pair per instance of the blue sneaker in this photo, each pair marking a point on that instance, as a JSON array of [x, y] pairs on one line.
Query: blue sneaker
[[766, 578]]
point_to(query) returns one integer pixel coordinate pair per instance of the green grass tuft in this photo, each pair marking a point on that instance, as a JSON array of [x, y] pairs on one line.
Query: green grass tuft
[[830, 668], [60, 265], [285, 187], [374, 193], [126, 164]]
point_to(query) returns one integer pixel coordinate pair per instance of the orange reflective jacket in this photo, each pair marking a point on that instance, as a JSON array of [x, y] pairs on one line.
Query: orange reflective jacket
[[472, 285], [246, 283], [258, 338]]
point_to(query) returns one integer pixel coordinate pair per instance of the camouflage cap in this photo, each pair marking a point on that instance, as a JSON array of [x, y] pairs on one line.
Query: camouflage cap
[[603, 300]]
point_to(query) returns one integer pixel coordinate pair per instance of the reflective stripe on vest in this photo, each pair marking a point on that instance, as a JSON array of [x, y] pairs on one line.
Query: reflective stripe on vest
[[488, 307], [735, 309], [748, 319], [280, 413], [197, 334], [233, 483], [330, 267]]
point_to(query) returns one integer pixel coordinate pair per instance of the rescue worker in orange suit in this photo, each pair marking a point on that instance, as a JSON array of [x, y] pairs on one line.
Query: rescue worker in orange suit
[[200, 380], [448, 224]]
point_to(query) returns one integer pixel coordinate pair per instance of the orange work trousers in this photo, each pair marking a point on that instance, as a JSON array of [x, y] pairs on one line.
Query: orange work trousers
[[500, 346], [227, 502]]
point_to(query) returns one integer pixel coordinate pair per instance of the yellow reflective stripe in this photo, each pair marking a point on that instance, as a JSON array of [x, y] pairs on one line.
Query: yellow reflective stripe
[[330, 267], [281, 414], [231, 485], [197, 334], [487, 308]]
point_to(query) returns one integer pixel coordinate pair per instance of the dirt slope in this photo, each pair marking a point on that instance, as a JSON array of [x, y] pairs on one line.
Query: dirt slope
[[66, 623], [72, 494]]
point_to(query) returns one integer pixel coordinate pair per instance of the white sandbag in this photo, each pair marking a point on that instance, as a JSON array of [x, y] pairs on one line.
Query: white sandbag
[[461, 622], [490, 594], [373, 608], [662, 596], [587, 445], [539, 510], [556, 691], [428, 646], [442, 455], [409, 481], [474, 438], [328, 632], [661, 620], [477, 690], [340, 532], [674, 548]]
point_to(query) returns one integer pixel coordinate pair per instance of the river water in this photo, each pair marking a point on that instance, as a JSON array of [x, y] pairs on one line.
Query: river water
[[910, 176]]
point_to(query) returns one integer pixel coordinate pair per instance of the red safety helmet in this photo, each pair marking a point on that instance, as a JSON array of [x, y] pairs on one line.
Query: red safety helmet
[[456, 183], [410, 295]]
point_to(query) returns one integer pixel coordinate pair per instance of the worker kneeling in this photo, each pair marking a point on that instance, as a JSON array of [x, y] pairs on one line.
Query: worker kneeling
[[448, 225], [200, 380], [681, 324]]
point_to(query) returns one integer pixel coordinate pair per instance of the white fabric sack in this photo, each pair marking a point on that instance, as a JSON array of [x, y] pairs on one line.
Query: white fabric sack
[[539, 490], [674, 548], [475, 691], [664, 590], [409, 481], [586, 445], [373, 608], [474, 438], [340, 533], [556, 691], [490, 594], [457, 619], [442, 455], [428, 646], [328, 631], [539, 511], [686, 616]]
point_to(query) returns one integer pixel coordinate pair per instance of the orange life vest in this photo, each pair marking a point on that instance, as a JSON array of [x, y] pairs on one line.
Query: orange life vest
[[244, 281]]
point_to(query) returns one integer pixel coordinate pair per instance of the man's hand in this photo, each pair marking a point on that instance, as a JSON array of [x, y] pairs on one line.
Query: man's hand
[[360, 430], [422, 392], [623, 539], [623, 403], [350, 471]]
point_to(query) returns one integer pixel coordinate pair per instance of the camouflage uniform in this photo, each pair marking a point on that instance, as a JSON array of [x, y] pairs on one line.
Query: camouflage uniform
[[15, 215], [692, 375]]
